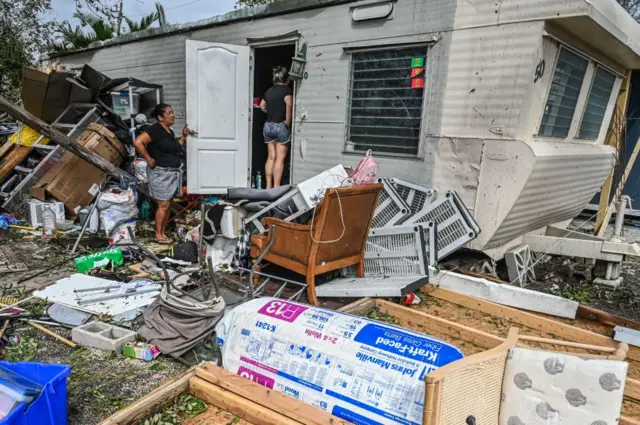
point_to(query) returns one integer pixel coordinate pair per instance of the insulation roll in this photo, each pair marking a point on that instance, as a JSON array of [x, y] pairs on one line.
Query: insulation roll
[[358, 369]]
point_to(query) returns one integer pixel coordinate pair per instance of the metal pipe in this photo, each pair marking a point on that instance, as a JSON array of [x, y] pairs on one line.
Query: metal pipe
[[116, 296], [264, 252], [86, 222], [622, 208], [98, 288]]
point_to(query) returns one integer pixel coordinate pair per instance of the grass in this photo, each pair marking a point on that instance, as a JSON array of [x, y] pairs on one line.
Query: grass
[[581, 295], [376, 314], [187, 406]]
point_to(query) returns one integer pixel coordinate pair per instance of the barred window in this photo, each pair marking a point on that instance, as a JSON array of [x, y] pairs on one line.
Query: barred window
[[386, 101], [599, 95]]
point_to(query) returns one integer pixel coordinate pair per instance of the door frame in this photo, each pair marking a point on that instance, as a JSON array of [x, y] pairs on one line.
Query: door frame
[[285, 40]]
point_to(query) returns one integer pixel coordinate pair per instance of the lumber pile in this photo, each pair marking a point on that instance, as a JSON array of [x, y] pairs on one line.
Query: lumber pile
[[253, 402]]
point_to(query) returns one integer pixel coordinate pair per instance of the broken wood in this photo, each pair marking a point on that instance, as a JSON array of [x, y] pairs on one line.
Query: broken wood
[[274, 400], [153, 402], [53, 334], [239, 406], [433, 323], [607, 319], [67, 143], [360, 307]]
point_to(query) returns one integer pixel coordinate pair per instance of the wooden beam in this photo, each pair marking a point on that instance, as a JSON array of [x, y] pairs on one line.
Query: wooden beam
[[360, 307], [616, 129], [595, 315], [67, 143], [433, 323], [239, 406], [625, 420], [632, 389], [533, 321], [274, 400], [153, 402]]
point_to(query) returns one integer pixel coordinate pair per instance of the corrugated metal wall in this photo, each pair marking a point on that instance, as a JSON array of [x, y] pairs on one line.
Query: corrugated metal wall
[[477, 75]]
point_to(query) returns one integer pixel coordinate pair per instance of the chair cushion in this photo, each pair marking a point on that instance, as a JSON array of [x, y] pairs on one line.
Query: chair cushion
[[543, 387]]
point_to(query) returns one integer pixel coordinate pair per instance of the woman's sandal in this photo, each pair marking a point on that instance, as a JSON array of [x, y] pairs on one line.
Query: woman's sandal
[[166, 241]]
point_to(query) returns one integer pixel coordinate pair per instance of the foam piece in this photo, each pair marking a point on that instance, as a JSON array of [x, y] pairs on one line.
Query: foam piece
[[549, 388]]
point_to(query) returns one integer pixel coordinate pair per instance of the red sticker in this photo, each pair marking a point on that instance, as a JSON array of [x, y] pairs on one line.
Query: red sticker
[[416, 71], [417, 83]]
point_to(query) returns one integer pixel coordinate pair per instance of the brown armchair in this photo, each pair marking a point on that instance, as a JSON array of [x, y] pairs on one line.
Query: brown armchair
[[340, 231]]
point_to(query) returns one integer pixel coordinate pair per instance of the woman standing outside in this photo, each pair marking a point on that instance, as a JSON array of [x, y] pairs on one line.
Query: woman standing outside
[[277, 103], [158, 145]]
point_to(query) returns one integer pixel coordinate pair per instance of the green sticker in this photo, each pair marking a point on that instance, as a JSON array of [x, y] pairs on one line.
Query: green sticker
[[417, 62]]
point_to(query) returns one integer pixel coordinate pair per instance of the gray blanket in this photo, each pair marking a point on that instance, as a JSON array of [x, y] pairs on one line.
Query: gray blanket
[[172, 330]]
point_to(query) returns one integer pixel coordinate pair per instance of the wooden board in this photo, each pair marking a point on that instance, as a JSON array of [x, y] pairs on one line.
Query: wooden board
[[238, 405], [12, 159], [276, 401], [360, 307], [428, 322], [153, 402], [595, 315], [625, 420]]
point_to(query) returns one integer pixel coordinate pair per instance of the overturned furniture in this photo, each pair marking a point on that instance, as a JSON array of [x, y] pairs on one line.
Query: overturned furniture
[[334, 239], [509, 385]]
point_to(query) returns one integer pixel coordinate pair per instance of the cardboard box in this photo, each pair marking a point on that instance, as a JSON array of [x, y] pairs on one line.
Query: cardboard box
[[72, 180]]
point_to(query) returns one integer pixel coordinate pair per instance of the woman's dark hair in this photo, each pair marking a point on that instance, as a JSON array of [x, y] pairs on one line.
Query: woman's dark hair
[[159, 110], [280, 75]]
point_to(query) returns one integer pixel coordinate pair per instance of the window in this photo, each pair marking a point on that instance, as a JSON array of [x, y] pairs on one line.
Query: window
[[599, 95], [387, 92], [563, 94]]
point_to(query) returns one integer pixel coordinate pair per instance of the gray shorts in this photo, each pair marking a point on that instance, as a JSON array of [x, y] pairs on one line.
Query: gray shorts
[[276, 132], [164, 183]]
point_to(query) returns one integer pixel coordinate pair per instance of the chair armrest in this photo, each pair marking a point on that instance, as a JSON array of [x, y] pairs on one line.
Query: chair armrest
[[270, 221]]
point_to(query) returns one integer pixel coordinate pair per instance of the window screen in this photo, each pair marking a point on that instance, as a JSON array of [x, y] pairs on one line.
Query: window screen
[[386, 99], [599, 95], [563, 94]]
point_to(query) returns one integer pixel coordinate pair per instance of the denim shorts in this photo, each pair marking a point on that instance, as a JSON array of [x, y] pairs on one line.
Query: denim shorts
[[276, 132]]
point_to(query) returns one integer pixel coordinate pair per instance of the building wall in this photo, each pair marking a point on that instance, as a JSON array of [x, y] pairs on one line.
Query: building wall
[[479, 76]]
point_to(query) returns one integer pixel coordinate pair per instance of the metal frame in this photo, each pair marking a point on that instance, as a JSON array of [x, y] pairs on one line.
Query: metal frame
[[453, 231], [417, 197], [376, 286], [390, 209], [294, 195], [16, 200]]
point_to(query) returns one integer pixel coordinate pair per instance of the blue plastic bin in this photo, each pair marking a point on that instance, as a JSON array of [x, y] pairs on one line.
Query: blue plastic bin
[[51, 407]]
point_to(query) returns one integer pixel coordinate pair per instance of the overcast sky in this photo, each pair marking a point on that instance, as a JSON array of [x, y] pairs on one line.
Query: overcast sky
[[177, 11]]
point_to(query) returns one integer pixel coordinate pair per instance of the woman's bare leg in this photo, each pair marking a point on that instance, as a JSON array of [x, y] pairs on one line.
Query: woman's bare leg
[[162, 217], [268, 168], [278, 167]]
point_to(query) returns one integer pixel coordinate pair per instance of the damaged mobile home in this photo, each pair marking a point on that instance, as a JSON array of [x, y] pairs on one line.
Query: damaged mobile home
[[508, 101]]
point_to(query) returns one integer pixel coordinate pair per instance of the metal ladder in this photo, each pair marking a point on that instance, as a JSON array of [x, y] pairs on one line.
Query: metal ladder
[[15, 201]]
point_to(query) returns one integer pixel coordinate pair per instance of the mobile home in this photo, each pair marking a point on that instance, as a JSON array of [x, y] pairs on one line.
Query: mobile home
[[507, 102]]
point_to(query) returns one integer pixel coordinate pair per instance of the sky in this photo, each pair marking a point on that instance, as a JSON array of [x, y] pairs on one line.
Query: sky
[[176, 11]]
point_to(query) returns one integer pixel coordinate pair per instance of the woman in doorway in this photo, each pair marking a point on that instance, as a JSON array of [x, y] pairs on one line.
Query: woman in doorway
[[277, 103], [158, 145]]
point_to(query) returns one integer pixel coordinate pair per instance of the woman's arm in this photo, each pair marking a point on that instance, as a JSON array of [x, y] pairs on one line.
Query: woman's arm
[[185, 133], [141, 143], [288, 100], [263, 106]]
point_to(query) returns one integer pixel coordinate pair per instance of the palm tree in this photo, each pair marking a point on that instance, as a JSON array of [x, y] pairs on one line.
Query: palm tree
[[162, 19], [102, 29], [144, 23]]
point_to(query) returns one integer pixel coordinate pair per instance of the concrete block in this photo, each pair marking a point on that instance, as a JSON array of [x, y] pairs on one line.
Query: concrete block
[[102, 336]]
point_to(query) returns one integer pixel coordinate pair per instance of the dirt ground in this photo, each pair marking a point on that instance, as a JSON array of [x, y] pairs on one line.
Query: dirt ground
[[216, 416]]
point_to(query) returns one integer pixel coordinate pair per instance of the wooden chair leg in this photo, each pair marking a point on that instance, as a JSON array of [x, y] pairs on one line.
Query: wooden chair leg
[[311, 288], [360, 269]]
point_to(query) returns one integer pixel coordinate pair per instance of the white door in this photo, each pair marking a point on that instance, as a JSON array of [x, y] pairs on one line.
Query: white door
[[218, 107]]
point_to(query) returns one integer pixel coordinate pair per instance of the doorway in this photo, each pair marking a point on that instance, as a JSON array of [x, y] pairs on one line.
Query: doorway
[[265, 59]]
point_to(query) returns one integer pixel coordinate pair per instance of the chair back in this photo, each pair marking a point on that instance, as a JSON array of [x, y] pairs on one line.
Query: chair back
[[342, 227]]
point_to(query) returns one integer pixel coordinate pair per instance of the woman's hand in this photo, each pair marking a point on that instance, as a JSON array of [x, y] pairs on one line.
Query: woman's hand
[[185, 131], [152, 163]]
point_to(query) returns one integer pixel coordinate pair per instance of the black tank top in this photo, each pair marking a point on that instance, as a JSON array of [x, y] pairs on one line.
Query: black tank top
[[164, 148], [276, 108]]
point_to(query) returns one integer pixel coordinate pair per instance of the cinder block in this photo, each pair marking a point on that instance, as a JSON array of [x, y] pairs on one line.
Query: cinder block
[[102, 336]]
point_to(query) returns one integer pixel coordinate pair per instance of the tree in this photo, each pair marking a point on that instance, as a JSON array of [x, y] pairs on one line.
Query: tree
[[631, 6], [22, 36]]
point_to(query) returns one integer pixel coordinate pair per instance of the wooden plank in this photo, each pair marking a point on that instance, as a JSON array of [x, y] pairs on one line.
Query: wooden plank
[[595, 315], [239, 406], [429, 322], [529, 320], [70, 145], [360, 307], [5, 148], [274, 400], [12, 159], [632, 389], [153, 402], [625, 420]]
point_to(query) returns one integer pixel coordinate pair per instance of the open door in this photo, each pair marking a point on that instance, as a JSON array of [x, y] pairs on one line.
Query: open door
[[218, 110]]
